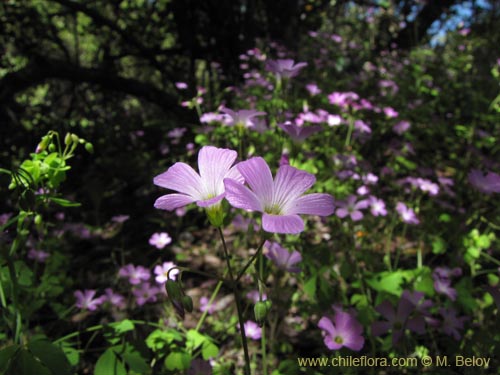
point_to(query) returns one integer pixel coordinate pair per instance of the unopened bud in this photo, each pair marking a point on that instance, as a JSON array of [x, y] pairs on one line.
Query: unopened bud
[[89, 147], [67, 139], [52, 147], [187, 302], [38, 219], [174, 290], [260, 311], [74, 137]]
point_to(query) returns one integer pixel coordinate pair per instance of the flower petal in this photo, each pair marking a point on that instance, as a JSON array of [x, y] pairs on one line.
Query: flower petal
[[312, 204], [291, 224], [170, 202], [214, 164], [240, 196], [327, 325], [386, 310], [182, 178], [289, 184], [258, 175], [379, 328]]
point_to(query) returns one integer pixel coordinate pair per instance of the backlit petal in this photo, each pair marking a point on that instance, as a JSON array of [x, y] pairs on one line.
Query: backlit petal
[[182, 178], [258, 176], [240, 196], [291, 224], [214, 163], [170, 202], [311, 204]]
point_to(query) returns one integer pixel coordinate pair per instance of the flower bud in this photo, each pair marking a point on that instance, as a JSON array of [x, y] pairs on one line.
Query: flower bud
[[74, 138], [43, 144], [38, 219], [174, 290], [67, 139], [260, 311], [52, 147], [187, 302], [89, 147]]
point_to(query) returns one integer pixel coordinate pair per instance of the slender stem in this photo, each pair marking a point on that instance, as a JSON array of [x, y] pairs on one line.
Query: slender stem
[[259, 251], [238, 304], [490, 258], [263, 328], [349, 132], [212, 298]]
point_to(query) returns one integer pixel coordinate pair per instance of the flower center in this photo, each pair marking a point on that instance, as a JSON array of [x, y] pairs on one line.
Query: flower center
[[338, 339], [398, 325], [273, 209]]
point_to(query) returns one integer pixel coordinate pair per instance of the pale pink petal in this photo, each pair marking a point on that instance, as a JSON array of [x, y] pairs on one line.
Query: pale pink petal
[[331, 344], [240, 196], [327, 325], [257, 174], [356, 215], [311, 204], [214, 163], [291, 224], [342, 212], [234, 174], [170, 202], [182, 178], [289, 184]]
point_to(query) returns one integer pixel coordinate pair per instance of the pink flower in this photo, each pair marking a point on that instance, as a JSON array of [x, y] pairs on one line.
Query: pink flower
[[344, 330], [135, 274], [280, 200], [205, 188], [406, 214], [284, 68], [161, 272], [85, 300], [160, 240], [252, 330]]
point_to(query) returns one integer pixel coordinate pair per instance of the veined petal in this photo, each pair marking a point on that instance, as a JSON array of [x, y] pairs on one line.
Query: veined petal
[[214, 163], [234, 174], [291, 224], [327, 325], [289, 184], [182, 178], [311, 204], [240, 196], [170, 202], [257, 174]]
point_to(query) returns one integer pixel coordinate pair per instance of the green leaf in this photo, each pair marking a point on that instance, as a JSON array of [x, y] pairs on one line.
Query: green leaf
[[123, 326], [159, 339], [51, 356], [438, 246], [64, 202], [390, 282], [135, 361], [72, 355], [24, 273], [310, 287], [177, 361], [109, 364], [209, 350], [6, 356], [196, 338], [25, 364]]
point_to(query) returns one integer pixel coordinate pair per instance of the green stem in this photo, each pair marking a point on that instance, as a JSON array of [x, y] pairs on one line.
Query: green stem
[[212, 298], [259, 251], [263, 328], [349, 132], [238, 303], [490, 258]]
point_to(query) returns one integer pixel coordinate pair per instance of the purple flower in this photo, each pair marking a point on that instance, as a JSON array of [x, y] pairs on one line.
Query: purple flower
[[298, 132], [344, 330], [390, 112], [145, 293], [313, 89], [377, 206], [205, 188], [161, 272], [39, 256], [135, 274], [113, 298], [333, 120], [120, 219], [252, 330], [282, 258], [407, 214], [352, 208], [243, 118], [284, 68], [362, 126], [488, 183], [282, 200], [254, 296], [451, 322], [398, 321], [417, 299], [343, 99], [85, 300], [160, 240], [401, 127], [181, 85], [442, 281]]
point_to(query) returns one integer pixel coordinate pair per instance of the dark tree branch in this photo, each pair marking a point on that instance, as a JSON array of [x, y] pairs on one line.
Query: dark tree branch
[[41, 69], [416, 30]]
